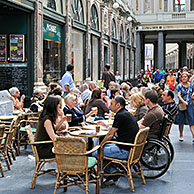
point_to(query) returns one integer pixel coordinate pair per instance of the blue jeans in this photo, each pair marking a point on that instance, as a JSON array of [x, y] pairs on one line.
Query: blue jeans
[[113, 151]]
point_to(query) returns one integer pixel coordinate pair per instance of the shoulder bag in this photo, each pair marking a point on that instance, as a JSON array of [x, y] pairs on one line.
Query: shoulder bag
[[183, 107]]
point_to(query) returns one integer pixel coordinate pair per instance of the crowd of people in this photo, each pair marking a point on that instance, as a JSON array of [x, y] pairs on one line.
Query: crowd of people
[[151, 103]]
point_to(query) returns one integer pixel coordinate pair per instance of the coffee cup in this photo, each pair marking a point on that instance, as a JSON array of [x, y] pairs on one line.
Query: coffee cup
[[68, 117], [97, 128]]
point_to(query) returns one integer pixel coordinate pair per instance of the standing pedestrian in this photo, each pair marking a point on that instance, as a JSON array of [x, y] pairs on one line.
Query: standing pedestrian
[[107, 76], [67, 80], [186, 117]]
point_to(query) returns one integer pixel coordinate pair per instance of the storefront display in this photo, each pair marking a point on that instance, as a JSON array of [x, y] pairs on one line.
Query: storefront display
[[51, 52], [3, 48]]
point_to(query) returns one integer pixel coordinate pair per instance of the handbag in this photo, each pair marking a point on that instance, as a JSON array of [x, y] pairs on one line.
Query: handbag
[[181, 106]]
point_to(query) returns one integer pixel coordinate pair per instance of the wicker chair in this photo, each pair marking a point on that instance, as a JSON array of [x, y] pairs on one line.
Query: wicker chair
[[72, 159], [22, 134], [2, 129], [7, 144], [128, 164], [39, 163]]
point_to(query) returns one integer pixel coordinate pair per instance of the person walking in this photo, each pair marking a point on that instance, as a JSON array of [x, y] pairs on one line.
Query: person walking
[[107, 76], [67, 80], [185, 117], [170, 81]]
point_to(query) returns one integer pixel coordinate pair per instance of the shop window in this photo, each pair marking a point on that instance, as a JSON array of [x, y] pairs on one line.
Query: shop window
[[94, 18], [114, 31], [51, 52], [77, 10], [51, 61], [121, 34]]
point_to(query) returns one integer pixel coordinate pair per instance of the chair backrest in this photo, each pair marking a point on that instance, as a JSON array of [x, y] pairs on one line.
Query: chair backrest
[[32, 140], [165, 125], [69, 152], [137, 149], [30, 134], [2, 130]]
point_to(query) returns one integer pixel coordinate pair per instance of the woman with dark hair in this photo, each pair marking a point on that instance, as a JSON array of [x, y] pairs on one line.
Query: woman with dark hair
[[96, 101], [47, 126]]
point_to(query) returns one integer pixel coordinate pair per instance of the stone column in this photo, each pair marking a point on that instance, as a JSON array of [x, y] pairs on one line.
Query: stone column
[[38, 46], [138, 51], [161, 49], [182, 54], [68, 36], [155, 55], [102, 6]]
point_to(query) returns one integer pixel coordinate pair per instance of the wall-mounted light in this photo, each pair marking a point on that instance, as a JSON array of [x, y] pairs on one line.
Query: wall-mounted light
[[115, 5]]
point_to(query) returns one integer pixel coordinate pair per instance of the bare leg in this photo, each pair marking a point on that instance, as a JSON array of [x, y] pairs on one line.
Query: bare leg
[[192, 130], [181, 131]]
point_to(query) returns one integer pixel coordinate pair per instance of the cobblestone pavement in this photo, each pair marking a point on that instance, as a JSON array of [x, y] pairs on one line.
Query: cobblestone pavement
[[178, 179]]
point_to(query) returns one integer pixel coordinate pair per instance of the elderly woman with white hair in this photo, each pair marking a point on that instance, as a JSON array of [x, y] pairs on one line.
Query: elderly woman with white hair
[[15, 94], [78, 116]]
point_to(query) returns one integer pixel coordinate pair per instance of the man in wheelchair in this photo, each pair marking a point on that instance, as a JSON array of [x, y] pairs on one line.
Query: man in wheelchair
[[154, 115], [170, 107]]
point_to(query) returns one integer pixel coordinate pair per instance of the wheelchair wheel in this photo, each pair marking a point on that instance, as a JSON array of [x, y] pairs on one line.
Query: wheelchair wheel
[[169, 146], [155, 159]]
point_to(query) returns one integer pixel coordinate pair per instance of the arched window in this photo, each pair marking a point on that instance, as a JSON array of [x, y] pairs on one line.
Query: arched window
[[94, 18], [114, 31], [121, 34], [51, 4], [128, 37], [77, 10]]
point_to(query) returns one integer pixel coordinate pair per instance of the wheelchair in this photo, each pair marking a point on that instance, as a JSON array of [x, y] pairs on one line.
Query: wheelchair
[[158, 153]]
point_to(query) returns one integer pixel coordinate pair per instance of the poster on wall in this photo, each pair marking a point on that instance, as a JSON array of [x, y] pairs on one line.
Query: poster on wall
[[17, 47], [3, 48]]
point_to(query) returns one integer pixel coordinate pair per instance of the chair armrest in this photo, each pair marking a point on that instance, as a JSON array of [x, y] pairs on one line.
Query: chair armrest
[[1, 138], [122, 143], [93, 150], [75, 127], [40, 142]]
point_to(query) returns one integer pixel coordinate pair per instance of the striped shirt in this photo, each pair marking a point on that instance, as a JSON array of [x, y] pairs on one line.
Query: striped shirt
[[170, 108]]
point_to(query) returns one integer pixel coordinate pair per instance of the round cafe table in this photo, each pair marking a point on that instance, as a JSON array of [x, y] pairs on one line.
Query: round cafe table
[[7, 117], [89, 134], [93, 127]]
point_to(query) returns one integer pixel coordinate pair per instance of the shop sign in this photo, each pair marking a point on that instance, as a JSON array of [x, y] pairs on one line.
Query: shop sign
[[51, 31], [17, 47]]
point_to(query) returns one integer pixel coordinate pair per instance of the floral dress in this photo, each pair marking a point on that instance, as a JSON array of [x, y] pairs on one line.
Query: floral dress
[[185, 117]]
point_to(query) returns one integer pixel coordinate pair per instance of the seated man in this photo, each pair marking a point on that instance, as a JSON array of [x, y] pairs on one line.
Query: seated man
[[126, 128], [154, 115], [170, 107]]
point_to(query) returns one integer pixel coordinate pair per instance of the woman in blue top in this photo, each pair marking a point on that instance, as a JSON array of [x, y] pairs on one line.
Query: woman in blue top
[[186, 117]]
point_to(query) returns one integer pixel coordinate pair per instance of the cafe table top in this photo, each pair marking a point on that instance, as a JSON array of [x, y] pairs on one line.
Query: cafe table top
[[88, 133], [93, 127], [7, 117]]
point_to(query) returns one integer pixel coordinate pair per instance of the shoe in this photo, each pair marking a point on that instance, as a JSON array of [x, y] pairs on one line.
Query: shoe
[[111, 178], [181, 139]]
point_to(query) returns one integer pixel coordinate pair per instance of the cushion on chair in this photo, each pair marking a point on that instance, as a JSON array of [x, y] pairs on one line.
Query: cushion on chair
[[22, 129], [3, 141], [91, 162]]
